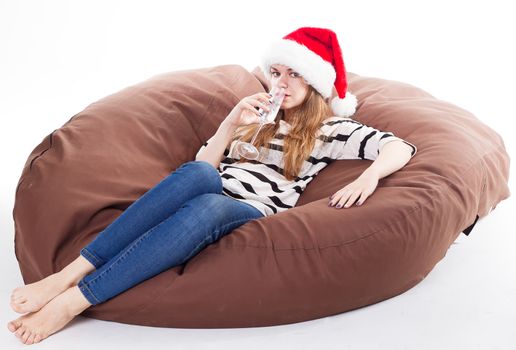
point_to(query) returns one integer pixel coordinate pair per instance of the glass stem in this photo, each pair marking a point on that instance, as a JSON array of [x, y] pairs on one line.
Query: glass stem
[[256, 133]]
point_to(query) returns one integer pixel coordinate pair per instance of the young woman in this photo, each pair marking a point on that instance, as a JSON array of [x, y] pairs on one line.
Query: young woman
[[205, 199]]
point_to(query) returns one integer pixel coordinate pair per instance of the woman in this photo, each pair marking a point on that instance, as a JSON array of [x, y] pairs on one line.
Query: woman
[[205, 199]]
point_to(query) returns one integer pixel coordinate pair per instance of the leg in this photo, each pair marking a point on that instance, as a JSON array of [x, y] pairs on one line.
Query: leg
[[199, 222], [186, 182]]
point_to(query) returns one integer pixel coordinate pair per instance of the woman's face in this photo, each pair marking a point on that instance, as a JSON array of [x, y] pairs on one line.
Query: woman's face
[[295, 85]]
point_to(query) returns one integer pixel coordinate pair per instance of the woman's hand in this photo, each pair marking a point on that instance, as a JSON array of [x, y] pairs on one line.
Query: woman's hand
[[245, 113], [363, 186]]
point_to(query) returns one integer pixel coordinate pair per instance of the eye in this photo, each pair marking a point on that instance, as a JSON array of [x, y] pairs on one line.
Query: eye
[[295, 75]]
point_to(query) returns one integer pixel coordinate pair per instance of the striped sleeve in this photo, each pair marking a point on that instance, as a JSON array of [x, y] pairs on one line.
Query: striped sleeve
[[365, 142]]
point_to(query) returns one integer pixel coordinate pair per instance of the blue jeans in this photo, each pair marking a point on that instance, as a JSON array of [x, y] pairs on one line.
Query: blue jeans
[[165, 227]]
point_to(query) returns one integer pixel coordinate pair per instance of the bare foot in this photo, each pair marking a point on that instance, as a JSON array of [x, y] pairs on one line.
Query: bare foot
[[35, 327], [34, 296]]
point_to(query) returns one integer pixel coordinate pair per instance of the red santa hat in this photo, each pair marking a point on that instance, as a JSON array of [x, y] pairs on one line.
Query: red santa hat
[[314, 53]]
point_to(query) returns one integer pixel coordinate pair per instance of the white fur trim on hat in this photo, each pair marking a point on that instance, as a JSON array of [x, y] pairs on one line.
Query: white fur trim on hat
[[315, 70], [344, 107]]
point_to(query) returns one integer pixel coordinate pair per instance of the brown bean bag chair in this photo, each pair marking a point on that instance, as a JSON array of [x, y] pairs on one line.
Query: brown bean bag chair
[[308, 262]]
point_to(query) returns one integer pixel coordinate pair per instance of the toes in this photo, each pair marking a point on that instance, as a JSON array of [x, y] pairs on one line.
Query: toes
[[21, 299], [38, 338], [16, 307], [14, 325], [19, 332], [15, 294], [30, 340], [26, 336]]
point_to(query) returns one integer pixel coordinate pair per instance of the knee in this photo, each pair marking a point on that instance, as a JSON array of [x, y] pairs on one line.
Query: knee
[[206, 172], [210, 205]]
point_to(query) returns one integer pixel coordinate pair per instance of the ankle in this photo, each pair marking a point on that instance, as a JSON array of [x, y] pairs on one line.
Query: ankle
[[66, 278], [76, 270], [77, 302]]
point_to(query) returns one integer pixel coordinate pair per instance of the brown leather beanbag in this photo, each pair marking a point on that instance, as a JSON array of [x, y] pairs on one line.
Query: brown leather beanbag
[[308, 262]]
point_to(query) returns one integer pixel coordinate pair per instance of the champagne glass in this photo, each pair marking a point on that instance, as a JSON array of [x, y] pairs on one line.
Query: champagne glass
[[247, 149]]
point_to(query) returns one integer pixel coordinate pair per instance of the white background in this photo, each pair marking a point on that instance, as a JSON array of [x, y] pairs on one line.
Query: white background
[[56, 57]]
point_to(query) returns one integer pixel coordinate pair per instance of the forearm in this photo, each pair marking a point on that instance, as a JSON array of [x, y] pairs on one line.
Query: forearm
[[214, 151], [392, 157]]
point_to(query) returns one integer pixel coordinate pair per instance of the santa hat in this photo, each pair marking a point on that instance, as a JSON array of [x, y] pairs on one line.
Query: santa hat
[[315, 54]]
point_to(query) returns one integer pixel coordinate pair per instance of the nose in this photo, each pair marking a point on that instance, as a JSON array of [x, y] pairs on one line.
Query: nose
[[282, 82]]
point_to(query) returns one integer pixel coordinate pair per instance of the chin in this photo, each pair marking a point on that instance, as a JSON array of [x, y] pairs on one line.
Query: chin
[[290, 105], [286, 104]]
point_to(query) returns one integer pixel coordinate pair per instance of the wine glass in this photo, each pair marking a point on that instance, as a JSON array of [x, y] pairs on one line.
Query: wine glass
[[247, 149]]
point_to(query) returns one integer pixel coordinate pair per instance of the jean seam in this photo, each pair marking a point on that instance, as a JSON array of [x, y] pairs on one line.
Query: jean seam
[[84, 285], [232, 222], [96, 261]]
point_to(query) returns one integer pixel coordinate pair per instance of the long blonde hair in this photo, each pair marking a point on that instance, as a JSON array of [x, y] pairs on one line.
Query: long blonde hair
[[300, 141]]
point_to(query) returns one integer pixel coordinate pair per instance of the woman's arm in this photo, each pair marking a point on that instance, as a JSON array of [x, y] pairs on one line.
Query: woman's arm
[[392, 157], [214, 151], [245, 112]]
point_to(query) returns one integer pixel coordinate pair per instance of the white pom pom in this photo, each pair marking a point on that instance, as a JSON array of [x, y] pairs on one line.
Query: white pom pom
[[344, 107]]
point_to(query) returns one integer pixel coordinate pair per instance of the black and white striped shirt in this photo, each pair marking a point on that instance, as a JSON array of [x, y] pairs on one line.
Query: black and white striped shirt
[[261, 183]]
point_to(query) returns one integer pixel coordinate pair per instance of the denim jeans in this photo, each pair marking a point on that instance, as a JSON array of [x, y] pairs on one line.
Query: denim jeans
[[165, 227]]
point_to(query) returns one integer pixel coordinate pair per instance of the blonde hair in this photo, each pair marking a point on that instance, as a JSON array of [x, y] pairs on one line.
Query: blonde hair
[[298, 144]]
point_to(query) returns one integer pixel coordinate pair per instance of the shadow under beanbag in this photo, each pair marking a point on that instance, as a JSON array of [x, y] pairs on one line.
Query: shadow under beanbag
[[308, 262]]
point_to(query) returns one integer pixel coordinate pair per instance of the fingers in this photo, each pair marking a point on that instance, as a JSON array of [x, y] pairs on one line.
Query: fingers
[[262, 102], [346, 198], [249, 106], [351, 200], [254, 103], [262, 97]]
